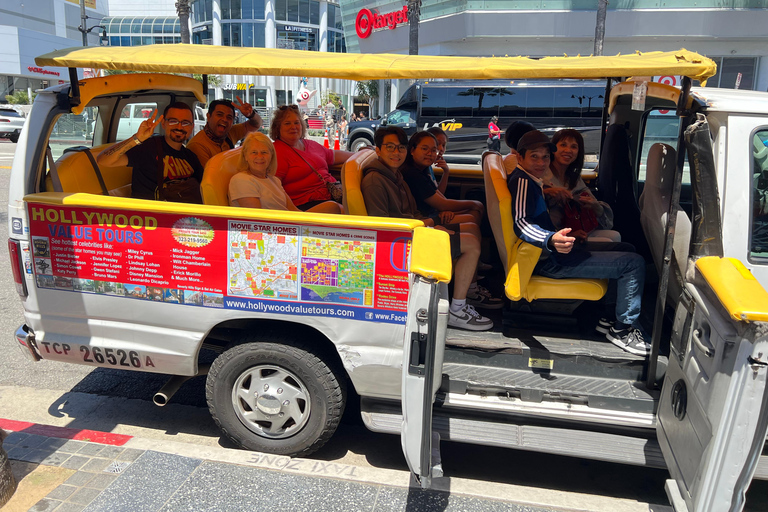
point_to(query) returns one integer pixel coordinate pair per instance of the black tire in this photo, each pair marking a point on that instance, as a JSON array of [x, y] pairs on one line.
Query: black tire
[[292, 364], [359, 143]]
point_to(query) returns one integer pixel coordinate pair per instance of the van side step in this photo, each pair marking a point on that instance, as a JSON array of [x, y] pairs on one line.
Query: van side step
[[624, 449], [536, 386]]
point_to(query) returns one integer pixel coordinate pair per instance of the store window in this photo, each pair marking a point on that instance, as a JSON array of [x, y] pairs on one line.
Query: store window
[[734, 73], [759, 236], [314, 12], [299, 39]]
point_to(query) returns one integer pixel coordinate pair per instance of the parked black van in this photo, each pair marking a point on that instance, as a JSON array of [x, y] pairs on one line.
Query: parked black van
[[464, 108]]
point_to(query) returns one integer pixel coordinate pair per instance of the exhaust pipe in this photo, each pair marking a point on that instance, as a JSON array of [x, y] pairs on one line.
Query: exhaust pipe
[[165, 393]]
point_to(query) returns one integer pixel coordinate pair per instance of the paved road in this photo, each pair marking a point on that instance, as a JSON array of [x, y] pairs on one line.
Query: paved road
[[118, 401]]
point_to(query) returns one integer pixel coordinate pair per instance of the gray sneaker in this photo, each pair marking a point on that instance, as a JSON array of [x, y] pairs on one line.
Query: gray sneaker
[[482, 298], [469, 319], [630, 339]]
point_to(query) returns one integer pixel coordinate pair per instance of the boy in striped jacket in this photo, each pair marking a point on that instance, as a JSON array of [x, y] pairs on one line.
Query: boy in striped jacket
[[561, 255]]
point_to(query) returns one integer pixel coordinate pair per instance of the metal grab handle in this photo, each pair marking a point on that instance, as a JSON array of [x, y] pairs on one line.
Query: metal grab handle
[[708, 351]]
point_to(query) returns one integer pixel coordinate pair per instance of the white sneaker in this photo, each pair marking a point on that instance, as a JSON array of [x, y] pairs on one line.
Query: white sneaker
[[469, 319], [629, 339], [481, 298]]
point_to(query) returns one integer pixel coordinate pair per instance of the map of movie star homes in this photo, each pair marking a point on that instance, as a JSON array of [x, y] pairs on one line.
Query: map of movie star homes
[[337, 266], [263, 260], [271, 261]]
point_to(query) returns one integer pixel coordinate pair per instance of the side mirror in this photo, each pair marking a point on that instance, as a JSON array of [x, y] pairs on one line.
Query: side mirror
[[384, 121]]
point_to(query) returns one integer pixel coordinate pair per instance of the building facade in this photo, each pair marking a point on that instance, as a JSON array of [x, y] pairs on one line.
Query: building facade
[[311, 25], [34, 27], [731, 32]]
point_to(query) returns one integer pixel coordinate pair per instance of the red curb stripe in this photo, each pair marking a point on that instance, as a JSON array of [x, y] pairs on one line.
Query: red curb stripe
[[93, 436]]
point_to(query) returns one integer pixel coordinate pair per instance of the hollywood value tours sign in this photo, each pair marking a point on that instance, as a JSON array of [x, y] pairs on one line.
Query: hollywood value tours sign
[[367, 20]]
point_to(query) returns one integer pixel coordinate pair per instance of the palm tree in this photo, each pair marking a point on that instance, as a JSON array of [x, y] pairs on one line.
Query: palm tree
[[7, 481], [182, 9], [414, 11], [602, 6]]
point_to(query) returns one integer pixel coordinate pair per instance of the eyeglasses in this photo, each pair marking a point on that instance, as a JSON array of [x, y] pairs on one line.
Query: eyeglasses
[[285, 107], [427, 149], [174, 122], [394, 147]]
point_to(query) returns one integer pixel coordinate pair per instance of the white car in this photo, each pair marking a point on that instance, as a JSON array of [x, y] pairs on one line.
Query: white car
[[11, 123]]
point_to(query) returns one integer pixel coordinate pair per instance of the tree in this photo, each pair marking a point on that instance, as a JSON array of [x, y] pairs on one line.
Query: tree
[[330, 95], [182, 9], [19, 97], [368, 89], [414, 13], [602, 6]]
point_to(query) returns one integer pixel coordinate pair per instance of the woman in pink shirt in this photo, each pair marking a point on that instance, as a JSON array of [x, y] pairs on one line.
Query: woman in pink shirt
[[302, 164]]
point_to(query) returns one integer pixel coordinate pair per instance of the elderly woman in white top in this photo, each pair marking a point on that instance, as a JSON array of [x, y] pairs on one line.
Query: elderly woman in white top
[[256, 185]]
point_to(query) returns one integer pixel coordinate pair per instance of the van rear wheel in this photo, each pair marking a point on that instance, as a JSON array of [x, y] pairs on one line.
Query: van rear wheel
[[275, 398]]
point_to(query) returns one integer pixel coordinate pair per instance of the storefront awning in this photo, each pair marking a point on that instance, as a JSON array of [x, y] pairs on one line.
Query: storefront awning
[[225, 60]]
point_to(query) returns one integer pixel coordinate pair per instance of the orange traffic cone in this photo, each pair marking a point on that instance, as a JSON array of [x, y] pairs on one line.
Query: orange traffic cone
[[336, 141], [325, 140]]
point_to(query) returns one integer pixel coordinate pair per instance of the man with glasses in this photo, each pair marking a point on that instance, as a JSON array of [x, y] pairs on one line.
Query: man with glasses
[[147, 154], [220, 133]]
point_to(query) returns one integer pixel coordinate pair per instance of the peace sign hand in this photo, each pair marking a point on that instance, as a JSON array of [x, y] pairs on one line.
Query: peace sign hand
[[147, 127], [245, 108]]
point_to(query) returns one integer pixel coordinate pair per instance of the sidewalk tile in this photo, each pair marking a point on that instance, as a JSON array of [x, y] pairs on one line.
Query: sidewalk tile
[[18, 452], [130, 454], [52, 444], [55, 459], [62, 492], [32, 441], [96, 465], [91, 449], [71, 446], [45, 505], [101, 481], [75, 462], [152, 479], [111, 452], [70, 507], [85, 496], [36, 455], [15, 438], [80, 478]]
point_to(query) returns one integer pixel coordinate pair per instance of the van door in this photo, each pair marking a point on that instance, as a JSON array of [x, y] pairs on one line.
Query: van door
[[713, 410], [423, 350]]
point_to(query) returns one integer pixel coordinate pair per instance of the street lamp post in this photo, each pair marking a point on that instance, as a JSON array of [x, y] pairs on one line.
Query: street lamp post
[[85, 29]]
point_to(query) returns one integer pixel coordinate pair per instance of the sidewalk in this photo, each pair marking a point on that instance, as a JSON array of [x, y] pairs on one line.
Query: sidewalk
[[70, 470]]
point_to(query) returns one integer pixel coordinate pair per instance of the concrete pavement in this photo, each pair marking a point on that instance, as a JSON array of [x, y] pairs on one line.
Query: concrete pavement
[[69, 470]]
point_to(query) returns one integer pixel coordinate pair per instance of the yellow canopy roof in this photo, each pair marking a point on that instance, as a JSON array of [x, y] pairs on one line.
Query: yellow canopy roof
[[225, 60]]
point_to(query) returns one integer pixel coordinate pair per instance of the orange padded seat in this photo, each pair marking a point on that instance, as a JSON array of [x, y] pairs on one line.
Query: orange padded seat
[[218, 171], [351, 177], [519, 257], [76, 174]]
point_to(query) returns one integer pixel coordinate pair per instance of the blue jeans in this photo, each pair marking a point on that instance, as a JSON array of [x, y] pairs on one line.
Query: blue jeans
[[626, 267]]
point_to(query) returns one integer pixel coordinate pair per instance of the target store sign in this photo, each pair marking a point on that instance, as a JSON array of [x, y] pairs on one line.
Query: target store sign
[[674, 81], [368, 19]]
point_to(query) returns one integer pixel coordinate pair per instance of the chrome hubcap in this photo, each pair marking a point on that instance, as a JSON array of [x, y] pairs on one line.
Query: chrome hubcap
[[271, 401]]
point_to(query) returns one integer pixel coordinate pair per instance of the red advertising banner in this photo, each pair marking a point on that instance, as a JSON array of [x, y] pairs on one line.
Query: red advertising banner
[[219, 262]]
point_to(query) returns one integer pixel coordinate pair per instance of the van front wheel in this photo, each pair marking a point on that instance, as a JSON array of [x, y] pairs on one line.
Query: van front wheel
[[275, 398], [359, 143]]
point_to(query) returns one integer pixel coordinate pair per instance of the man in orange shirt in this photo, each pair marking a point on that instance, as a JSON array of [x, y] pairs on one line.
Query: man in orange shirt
[[220, 133]]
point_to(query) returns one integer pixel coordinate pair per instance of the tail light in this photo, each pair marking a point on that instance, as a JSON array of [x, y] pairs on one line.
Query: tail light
[[14, 250]]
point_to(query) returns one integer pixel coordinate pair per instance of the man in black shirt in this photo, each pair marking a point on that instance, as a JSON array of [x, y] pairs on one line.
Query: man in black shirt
[[141, 152]]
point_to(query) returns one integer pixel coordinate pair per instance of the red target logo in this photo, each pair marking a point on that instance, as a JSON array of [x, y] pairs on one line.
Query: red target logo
[[364, 23], [668, 80]]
